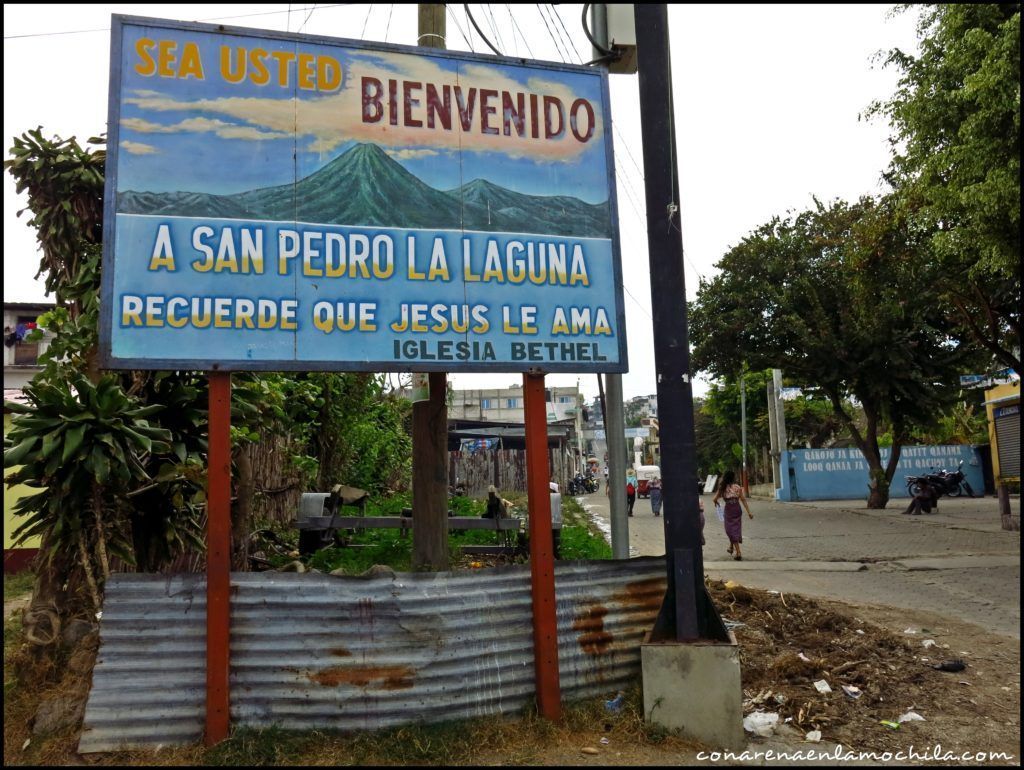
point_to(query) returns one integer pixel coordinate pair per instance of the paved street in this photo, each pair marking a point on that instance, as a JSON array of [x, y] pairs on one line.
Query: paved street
[[958, 562]]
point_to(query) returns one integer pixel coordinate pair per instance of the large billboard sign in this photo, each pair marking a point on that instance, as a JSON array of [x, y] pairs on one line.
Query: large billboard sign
[[277, 201]]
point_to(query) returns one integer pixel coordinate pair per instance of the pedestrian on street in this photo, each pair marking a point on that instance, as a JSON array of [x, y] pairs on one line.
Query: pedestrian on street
[[631, 485], [655, 488], [732, 494], [556, 519]]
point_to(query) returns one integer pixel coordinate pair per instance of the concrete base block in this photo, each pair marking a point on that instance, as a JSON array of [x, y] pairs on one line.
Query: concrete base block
[[694, 688]]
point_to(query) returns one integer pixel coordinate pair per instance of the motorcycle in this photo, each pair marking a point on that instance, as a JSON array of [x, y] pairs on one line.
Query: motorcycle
[[582, 485], [952, 483]]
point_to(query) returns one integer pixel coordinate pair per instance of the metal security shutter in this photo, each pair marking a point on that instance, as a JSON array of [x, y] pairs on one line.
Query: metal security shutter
[[1007, 421]]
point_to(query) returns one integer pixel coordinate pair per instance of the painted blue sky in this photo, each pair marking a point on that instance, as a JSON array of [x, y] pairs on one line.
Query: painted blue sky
[[186, 134]]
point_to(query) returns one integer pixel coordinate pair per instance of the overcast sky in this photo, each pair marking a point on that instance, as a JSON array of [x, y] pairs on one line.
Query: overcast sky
[[767, 99]]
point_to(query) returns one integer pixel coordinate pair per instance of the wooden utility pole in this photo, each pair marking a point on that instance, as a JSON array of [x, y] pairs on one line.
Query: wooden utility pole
[[430, 418]]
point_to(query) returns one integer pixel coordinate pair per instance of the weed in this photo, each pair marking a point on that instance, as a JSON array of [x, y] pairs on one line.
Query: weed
[[254, 748], [18, 585]]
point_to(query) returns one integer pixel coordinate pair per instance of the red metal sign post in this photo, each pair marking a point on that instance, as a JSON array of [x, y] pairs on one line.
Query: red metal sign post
[[542, 561], [218, 559]]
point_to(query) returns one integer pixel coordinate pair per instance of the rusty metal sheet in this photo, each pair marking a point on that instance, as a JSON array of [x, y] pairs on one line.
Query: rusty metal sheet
[[316, 651]]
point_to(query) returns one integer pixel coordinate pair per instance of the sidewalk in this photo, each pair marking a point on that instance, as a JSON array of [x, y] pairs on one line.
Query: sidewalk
[[959, 563], [980, 514]]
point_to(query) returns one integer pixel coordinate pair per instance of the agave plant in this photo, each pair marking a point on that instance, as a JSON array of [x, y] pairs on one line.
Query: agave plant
[[85, 447]]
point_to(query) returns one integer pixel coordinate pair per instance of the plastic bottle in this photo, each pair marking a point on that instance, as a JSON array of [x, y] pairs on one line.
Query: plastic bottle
[[615, 704]]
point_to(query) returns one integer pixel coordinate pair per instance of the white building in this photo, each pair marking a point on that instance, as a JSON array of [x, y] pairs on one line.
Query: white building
[[507, 404], [21, 357]]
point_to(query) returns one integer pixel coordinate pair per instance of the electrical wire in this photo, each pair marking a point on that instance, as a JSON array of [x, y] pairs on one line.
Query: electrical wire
[[209, 18], [301, 26], [365, 21], [561, 54], [598, 46], [469, 15], [558, 15], [515, 24], [495, 28], [458, 26], [515, 42], [387, 29]]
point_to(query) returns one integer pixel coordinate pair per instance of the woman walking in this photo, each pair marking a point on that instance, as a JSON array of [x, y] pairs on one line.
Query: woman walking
[[732, 494], [655, 488], [631, 485]]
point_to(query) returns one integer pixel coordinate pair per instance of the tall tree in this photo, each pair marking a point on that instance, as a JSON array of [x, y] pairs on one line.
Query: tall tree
[[831, 296], [956, 162]]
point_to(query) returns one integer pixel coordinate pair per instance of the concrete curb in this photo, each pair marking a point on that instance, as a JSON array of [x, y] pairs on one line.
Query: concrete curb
[[787, 566]]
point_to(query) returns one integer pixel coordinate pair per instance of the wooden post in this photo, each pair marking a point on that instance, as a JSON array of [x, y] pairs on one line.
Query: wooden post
[[218, 560], [430, 418], [430, 478], [542, 562]]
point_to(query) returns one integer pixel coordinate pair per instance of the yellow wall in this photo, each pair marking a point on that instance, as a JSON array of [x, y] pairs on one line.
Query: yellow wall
[[11, 496], [998, 393]]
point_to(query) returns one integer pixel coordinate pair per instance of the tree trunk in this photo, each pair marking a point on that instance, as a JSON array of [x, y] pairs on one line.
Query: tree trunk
[[101, 538], [241, 511], [878, 496], [878, 478]]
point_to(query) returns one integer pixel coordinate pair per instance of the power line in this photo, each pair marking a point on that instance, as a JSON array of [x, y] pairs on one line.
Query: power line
[[458, 26], [469, 16], [639, 305], [210, 18], [367, 19], [495, 27], [515, 42], [515, 24], [301, 26], [558, 15], [558, 46], [387, 29]]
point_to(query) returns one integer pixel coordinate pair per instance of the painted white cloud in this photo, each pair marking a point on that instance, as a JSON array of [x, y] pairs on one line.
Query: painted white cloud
[[330, 121], [138, 148], [202, 125], [407, 153]]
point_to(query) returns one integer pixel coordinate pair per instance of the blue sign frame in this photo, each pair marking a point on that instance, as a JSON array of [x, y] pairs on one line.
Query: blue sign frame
[[164, 240]]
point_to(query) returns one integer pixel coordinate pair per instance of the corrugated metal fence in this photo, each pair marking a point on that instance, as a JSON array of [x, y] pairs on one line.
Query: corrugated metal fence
[[315, 651]]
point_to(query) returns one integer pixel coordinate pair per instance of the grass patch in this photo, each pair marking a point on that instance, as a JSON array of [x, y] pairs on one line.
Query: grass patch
[[580, 538], [517, 739], [18, 585]]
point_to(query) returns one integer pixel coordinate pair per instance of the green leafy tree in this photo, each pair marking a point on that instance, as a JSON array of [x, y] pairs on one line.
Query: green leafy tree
[[718, 422], [831, 296], [956, 163], [91, 444]]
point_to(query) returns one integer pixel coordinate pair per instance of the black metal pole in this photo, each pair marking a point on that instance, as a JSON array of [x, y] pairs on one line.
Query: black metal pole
[[687, 611]]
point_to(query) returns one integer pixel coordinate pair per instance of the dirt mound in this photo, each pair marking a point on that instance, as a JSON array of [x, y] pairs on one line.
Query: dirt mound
[[787, 643]]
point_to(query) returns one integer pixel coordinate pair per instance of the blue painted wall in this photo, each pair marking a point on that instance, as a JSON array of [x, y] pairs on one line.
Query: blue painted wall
[[842, 474]]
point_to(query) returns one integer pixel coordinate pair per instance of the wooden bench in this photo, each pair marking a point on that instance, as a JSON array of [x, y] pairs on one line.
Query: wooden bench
[[508, 528], [404, 523]]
